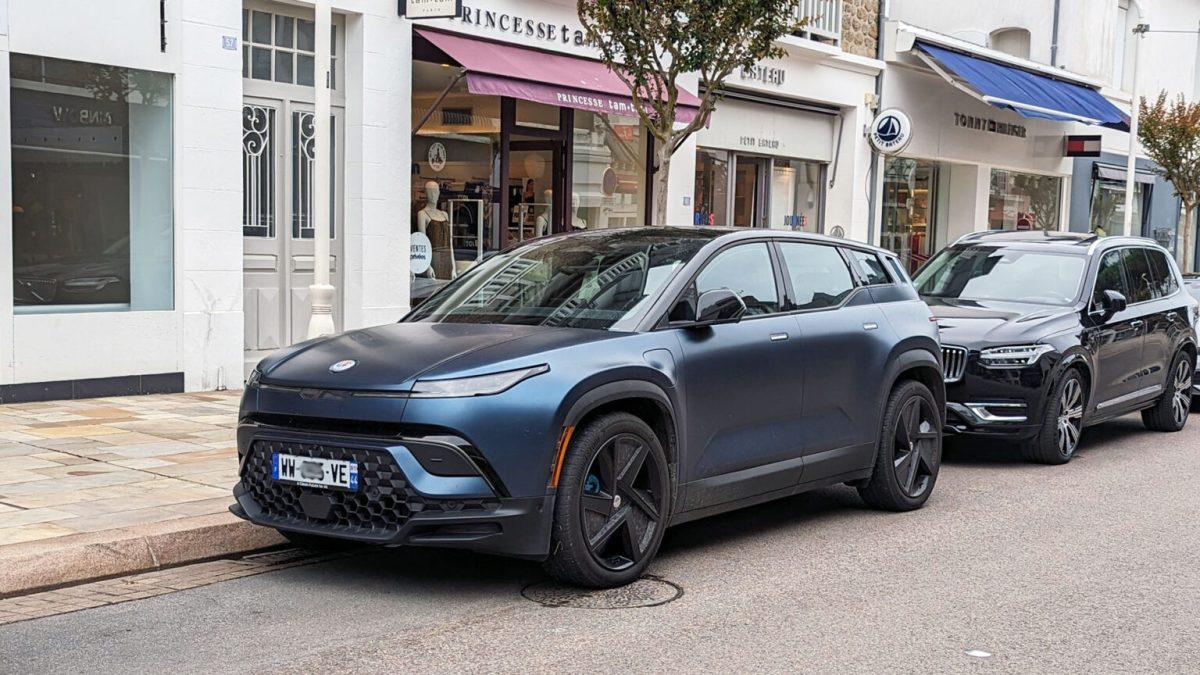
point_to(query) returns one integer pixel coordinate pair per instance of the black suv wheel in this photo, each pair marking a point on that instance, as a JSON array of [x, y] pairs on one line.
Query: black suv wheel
[[1170, 413], [614, 497], [1062, 423]]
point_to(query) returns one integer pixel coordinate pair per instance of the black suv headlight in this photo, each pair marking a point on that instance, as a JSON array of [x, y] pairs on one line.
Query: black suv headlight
[[1016, 356]]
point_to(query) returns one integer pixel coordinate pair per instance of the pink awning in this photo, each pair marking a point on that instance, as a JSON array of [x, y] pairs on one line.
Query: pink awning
[[544, 77]]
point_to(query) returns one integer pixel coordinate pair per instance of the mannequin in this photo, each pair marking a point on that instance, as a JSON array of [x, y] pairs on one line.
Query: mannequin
[[577, 223], [543, 220], [435, 224]]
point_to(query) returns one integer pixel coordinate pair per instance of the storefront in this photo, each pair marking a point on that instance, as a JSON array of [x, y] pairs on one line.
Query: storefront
[[762, 163], [977, 160], [1098, 200]]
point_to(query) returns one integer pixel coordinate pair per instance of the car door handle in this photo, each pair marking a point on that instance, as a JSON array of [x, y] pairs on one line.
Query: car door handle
[[871, 325], [778, 337], [1138, 323]]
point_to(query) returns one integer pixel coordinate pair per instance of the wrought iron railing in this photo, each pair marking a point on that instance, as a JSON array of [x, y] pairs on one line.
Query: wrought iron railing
[[824, 20]]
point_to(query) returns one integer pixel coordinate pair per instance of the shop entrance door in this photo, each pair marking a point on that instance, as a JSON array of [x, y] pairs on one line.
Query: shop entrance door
[[750, 191], [277, 224], [536, 188]]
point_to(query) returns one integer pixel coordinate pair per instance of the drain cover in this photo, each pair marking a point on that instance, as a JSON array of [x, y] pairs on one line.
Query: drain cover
[[645, 592]]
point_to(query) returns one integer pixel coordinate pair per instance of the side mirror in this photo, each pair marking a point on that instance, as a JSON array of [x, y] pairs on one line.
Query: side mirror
[[720, 305], [1112, 302]]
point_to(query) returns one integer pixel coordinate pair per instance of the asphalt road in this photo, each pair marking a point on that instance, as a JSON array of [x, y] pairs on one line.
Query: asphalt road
[[1091, 567]]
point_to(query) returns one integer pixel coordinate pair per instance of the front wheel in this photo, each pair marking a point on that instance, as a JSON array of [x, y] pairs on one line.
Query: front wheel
[[1062, 423], [909, 452], [1170, 413], [614, 501]]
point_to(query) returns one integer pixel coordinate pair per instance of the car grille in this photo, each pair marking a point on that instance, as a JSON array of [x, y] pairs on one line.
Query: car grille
[[383, 503], [954, 362]]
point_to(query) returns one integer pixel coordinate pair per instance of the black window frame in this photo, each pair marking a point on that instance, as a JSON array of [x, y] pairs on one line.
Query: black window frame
[[1091, 298], [857, 268], [1166, 262], [1129, 277]]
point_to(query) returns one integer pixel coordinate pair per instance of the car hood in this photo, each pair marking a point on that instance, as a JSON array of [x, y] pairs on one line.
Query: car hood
[[982, 323], [391, 357]]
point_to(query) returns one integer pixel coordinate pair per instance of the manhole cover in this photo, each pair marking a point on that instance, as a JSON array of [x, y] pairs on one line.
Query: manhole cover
[[645, 592]]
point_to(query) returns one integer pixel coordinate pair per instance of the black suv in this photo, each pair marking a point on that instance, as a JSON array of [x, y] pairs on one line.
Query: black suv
[[1044, 334]]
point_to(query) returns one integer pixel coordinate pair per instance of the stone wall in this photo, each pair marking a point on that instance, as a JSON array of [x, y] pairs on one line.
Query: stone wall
[[860, 27]]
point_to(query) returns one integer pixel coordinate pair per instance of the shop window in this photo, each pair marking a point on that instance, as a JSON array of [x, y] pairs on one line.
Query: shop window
[[1011, 41], [608, 172], [909, 201], [745, 270], [711, 196], [1024, 201], [796, 195], [818, 274], [1108, 206], [258, 171], [92, 166], [281, 48]]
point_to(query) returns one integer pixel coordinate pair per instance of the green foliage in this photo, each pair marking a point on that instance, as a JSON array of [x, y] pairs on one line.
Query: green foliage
[[1170, 134], [650, 43]]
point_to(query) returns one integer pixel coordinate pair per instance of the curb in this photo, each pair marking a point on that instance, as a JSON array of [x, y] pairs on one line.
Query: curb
[[78, 558]]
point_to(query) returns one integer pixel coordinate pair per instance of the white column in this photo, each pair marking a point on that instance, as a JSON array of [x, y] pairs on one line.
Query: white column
[[321, 293], [1139, 34]]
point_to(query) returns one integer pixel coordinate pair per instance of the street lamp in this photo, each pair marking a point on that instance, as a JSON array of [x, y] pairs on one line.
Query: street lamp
[[1139, 33], [321, 292]]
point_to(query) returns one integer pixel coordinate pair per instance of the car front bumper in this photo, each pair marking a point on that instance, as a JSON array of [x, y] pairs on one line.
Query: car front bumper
[[1006, 403], [399, 501]]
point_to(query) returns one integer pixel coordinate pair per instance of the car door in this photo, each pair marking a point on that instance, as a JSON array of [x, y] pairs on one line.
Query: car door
[[845, 342], [1166, 316], [742, 385], [1116, 343]]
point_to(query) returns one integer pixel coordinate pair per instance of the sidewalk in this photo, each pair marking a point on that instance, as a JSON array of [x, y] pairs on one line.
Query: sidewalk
[[86, 476]]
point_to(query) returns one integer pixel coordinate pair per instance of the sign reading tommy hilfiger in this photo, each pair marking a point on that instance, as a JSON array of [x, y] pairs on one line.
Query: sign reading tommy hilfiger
[[430, 9], [990, 125], [529, 27]]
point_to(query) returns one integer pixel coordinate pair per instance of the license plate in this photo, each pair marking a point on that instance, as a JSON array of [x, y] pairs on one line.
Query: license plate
[[314, 471]]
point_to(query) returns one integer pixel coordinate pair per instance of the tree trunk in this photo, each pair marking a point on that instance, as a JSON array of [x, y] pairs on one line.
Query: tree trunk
[[1187, 255], [662, 181]]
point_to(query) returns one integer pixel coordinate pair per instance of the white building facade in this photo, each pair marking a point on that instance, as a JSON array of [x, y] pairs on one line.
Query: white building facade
[[972, 166], [158, 231]]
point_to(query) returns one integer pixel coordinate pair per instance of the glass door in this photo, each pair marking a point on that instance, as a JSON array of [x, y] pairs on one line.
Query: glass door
[[749, 191], [909, 203], [535, 186]]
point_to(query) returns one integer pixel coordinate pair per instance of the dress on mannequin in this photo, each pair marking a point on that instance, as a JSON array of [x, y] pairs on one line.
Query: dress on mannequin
[[543, 220], [435, 224], [577, 223]]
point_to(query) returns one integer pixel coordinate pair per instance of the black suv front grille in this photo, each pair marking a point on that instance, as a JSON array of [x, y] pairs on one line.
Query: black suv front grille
[[381, 506]]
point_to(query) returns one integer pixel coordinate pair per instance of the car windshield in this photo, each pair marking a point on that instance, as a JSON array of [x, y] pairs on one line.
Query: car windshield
[[996, 273], [581, 281]]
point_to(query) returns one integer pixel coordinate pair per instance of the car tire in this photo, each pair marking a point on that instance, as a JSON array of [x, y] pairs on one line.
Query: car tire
[[1062, 422], [1170, 413], [909, 453], [614, 499], [313, 542]]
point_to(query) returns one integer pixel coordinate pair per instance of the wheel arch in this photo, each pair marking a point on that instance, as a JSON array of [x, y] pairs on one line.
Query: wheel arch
[[644, 400], [921, 365]]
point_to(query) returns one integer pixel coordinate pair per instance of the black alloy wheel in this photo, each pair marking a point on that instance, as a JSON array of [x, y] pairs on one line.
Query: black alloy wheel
[[909, 454], [613, 503], [1170, 413], [1062, 422]]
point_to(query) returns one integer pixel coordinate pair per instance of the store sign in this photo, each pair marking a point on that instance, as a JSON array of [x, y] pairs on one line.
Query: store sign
[[759, 143], [522, 26], [420, 253], [437, 157], [764, 74], [1082, 146], [891, 131], [430, 9], [989, 125]]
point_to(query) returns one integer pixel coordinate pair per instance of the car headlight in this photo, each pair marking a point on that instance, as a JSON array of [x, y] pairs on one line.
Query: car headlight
[[1019, 356], [480, 385]]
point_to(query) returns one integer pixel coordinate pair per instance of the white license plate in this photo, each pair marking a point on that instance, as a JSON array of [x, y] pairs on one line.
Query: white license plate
[[314, 471]]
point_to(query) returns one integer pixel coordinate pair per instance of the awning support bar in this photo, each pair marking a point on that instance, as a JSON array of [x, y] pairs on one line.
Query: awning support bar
[[462, 72]]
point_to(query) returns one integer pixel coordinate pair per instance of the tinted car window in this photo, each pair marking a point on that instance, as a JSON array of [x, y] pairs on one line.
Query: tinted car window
[[1164, 277], [745, 270], [581, 281], [818, 274], [871, 267], [998, 273], [1109, 277], [1138, 274]]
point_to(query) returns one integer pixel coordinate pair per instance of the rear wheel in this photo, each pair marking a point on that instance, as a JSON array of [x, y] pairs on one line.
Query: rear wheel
[[910, 451], [1062, 423], [1171, 411], [614, 497]]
